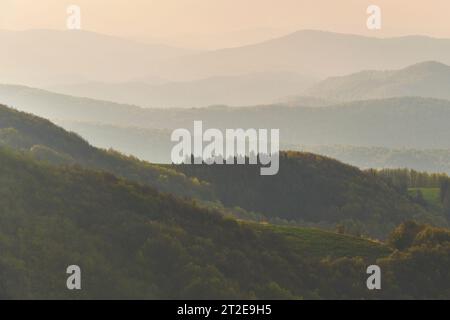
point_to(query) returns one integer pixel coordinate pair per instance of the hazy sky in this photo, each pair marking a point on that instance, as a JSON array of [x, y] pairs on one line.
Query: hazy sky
[[168, 18]]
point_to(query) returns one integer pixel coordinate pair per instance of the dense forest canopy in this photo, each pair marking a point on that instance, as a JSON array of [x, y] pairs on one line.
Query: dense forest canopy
[[309, 189], [65, 202], [317, 189], [49, 142], [133, 242]]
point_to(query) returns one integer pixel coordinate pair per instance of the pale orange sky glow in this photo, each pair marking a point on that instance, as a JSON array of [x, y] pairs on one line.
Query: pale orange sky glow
[[169, 18]]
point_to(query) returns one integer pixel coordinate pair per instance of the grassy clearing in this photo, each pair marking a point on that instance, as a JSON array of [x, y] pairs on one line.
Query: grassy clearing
[[320, 243], [431, 195]]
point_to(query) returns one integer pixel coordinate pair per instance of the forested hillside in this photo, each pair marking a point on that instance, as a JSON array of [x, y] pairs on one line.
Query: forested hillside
[[425, 79], [316, 189], [340, 136], [431, 160], [154, 145], [48, 142], [403, 122], [133, 242], [430, 190], [309, 189]]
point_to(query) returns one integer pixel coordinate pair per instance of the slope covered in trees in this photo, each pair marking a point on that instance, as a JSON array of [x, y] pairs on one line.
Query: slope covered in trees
[[403, 122], [133, 242], [430, 160], [312, 188], [429, 190], [308, 189], [154, 145], [51, 143]]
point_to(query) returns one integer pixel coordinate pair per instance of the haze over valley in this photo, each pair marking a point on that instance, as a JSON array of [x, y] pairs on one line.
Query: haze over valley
[[100, 100]]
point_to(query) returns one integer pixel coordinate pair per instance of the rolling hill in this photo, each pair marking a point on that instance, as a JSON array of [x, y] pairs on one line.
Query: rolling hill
[[426, 79], [430, 160], [49, 57], [332, 192], [101, 58], [314, 189], [309, 52], [50, 143], [403, 122], [132, 242], [154, 145], [249, 89]]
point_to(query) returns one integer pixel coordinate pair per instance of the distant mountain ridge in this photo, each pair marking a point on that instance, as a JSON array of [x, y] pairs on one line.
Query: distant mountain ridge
[[102, 58], [425, 79], [316, 53], [239, 90], [405, 122], [302, 176], [153, 145], [48, 57]]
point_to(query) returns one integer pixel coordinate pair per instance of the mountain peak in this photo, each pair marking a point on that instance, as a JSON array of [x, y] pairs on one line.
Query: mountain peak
[[430, 65], [426, 79]]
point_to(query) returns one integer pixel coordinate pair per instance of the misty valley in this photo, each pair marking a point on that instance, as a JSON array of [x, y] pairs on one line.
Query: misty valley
[[191, 161]]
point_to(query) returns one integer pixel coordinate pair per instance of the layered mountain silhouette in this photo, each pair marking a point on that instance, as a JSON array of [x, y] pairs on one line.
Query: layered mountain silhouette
[[238, 90], [48, 57], [404, 122], [308, 52], [152, 145], [44, 57], [78, 182], [426, 79], [308, 188]]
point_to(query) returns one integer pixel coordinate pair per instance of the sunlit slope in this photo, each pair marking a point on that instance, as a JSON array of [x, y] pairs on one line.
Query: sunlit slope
[[132, 241], [49, 142], [313, 189]]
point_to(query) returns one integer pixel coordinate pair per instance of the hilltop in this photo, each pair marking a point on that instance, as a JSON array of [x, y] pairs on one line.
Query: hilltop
[[314, 189], [48, 142], [134, 242], [308, 188], [427, 79]]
